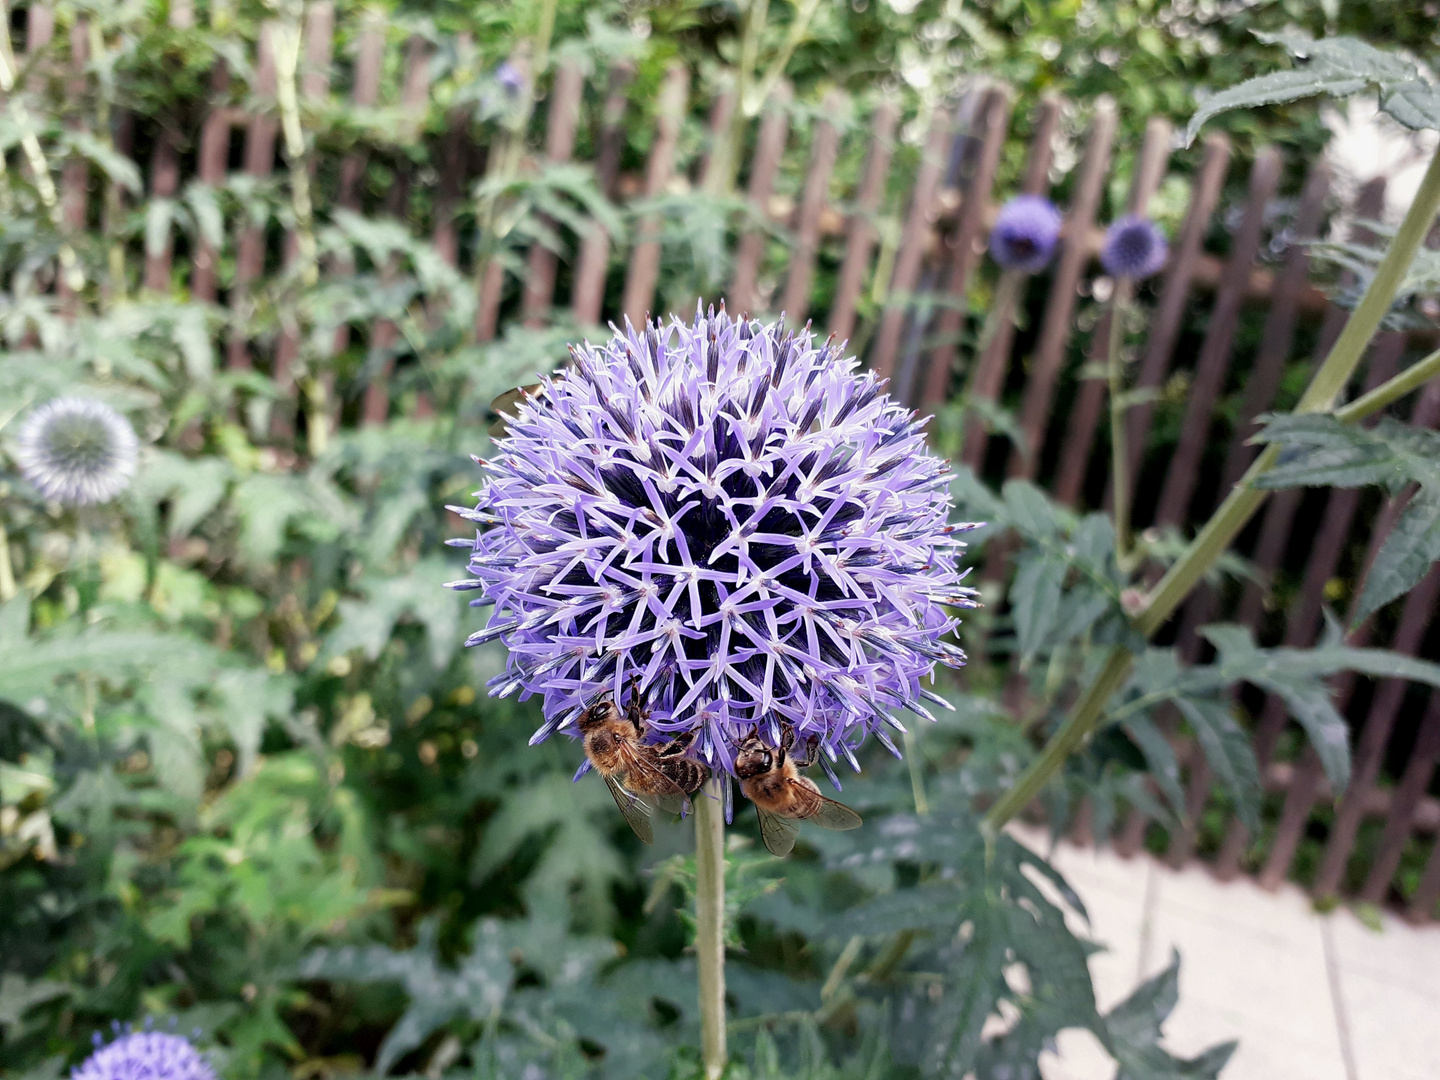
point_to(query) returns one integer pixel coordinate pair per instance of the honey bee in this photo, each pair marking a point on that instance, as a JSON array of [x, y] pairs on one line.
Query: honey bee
[[639, 773], [507, 405], [770, 778]]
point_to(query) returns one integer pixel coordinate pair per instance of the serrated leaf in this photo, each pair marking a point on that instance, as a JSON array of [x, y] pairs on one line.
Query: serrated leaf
[[1339, 67], [1319, 450], [1160, 760], [1035, 600], [1406, 556], [1228, 750], [1135, 1026]]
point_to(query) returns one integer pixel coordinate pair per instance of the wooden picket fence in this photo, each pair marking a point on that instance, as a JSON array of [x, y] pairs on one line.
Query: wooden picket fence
[[1376, 840]]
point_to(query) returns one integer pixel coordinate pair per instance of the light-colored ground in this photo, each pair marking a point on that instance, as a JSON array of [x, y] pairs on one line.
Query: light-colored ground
[[1309, 996]]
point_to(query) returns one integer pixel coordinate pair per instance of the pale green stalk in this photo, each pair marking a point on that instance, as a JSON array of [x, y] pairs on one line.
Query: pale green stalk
[[287, 38], [1237, 509], [70, 270], [710, 924], [7, 572], [1118, 453]]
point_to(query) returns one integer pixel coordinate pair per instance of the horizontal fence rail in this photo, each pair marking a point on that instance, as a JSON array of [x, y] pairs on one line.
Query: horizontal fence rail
[[871, 223]]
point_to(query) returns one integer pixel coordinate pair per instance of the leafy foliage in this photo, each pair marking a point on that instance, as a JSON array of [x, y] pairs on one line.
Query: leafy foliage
[[1339, 67]]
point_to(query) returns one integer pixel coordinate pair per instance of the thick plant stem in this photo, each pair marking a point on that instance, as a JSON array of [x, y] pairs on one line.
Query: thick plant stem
[[1412, 378], [1064, 742], [710, 924], [7, 573], [1242, 502], [1118, 453]]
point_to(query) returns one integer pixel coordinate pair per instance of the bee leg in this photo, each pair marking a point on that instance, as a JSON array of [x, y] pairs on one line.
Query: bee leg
[[680, 745], [812, 747], [787, 738]]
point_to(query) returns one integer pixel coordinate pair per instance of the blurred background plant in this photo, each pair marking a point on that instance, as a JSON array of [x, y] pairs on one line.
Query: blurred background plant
[[245, 776]]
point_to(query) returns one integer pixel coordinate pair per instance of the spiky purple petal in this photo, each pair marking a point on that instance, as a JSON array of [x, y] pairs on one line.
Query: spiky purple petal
[[732, 514]]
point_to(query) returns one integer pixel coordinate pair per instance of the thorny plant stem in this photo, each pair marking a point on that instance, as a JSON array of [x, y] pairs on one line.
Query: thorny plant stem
[[70, 270], [710, 924], [1118, 453], [917, 772], [1411, 378], [1244, 499]]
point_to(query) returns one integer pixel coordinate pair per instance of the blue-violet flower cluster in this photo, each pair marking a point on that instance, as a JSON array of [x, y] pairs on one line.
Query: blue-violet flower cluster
[[77, 451], [732, 514], [1134, 247], [145, 1055], [1025, 233]]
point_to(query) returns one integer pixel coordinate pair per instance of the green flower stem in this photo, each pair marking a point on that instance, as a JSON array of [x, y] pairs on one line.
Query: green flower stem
[[1410, 379], [1242, 502], [710, 923], [1118, 453]]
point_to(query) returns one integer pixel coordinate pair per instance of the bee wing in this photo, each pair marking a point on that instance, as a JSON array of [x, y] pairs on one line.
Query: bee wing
[[507, 405], [778, 833], [636, 812], [673, 804], [836, 816]]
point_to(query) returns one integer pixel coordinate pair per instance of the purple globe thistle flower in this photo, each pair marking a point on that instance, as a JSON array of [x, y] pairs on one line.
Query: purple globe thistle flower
[[1134, 248], [1025, 233], [144, 1055], [77, 451], [509, 78], [736, 517]]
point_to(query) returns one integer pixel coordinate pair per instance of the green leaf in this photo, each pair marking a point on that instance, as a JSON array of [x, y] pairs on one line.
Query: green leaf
[[477, 988], [1160, 760], [1135, 1025], [1406, 556], [1035, 600], [1228, 750], [1318, 450], [1339, 67]]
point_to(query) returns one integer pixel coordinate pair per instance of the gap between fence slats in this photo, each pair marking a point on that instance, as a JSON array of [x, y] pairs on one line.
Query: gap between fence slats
[[1174, 295], [919, 221], [987, 375], [644, 269], [1300, 798], [861, 230], [1060, 309], [744, 296], [564, 117], [823, 150], [966, 247], [588, 295], [1092, 394]]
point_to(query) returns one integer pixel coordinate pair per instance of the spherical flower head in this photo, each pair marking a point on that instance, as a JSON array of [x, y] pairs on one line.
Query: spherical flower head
[[145, 1055], [509, 78], [77, 451], [734, 516], [1134, 248], [1025, 233]]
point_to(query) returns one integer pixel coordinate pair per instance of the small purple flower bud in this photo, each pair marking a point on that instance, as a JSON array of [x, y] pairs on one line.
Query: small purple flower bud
[[77, 451], [1025, 233], [736, 516], [1134, 248], [509, 78], [144, 1055]]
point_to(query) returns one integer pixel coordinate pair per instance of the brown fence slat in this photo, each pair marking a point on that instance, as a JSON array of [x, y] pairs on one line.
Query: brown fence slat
[[1422, 904], [645, 256], [559, 145], [1175, 293], [1093, 393], [164, 183], [988, 374], [210, 168], [1213, 364], [861, 232], [918, 222], [259, 161], [824, 147], [1375, 736], [455, 151], [415, 91], [769, 148], [722, 111], [966, 248], [1060, 309], [589, 292], [75, 173], [1305, 786], [1419, 770], [364, 93]]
